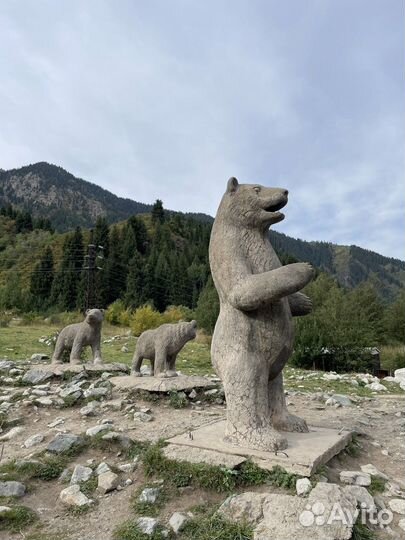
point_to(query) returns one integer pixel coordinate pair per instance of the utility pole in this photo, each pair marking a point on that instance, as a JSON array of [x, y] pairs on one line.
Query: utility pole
[[90, 267]]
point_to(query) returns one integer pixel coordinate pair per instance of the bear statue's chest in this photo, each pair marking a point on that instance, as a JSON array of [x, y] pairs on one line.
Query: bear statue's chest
[[259, 253]]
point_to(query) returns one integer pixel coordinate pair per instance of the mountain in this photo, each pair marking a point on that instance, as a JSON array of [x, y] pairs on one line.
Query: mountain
[[49, 191], [350, 265]]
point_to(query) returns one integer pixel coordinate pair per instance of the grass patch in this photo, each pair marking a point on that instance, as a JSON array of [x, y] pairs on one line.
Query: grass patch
[[362, 532], [49, 468], [212, 477], [17, 519], [178, 400], [205, 527], [353, 448], [150, 509], [90, 486], [377, 485]]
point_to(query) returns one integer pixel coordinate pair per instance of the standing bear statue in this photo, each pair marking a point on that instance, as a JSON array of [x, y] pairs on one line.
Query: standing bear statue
[[76, 336], [253, 336], [161, 346]]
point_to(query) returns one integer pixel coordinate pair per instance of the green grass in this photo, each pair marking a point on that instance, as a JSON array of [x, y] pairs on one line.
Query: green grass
[[362, 532], [178, 400], [211, 527], [150, 509], [89, 487], [377, 485], [48, 468], [212, 477], [17, 519]]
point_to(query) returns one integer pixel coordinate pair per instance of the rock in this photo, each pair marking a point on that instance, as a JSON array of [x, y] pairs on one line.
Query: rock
[[400, 374], [72, 496], [147, 525], [376, 387], [81, 474], [127, 467], [93, 431], [124, 349], [303, 486], [345, 401], [71, 391], [143, 417], [362, 497], [401, 524], [331, 377], [193, 394], [36, 376], [4, 510], [102, 468], [6, 365], [34, 440], [63, 442], [96, 392], [178, 521], [373, 471], [107, 481], [39, 357], [149, 495], [57, 422], [123, 440], [397, 505], [355, 477], [44, 401], [91, 409], [114, 404], [245, 508], [12, 489], [12, 433]]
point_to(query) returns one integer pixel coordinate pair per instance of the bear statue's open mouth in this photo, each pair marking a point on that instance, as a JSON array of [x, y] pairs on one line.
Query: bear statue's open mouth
[[275, 207]]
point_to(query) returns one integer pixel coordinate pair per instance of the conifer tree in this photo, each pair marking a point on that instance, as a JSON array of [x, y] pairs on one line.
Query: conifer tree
[[42, 279], [135, 289], [158, 213]]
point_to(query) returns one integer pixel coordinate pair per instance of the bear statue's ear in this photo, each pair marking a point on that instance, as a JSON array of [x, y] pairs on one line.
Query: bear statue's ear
[[88, 311], [232, 185]]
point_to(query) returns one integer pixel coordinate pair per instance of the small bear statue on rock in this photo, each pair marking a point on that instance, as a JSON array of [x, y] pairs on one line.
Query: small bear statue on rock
[[76, 336], [161, 346]]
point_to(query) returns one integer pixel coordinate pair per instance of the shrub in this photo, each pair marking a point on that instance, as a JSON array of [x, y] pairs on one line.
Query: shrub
[[145, 318], [174, 314], [117, 313]]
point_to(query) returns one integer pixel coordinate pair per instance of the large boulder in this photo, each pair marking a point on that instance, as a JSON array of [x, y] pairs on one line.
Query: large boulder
[[12, 489], [72, 496], [63, 442], [36, 376]]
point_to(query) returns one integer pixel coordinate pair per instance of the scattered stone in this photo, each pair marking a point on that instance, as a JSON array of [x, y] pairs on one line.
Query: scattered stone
[[39, 357], [373, 471], [193, 394], [355, 477], [93, 431], [149, 495], [72, 496], [123, 440], [303, 486], [401, 524], [102, 468], [376, 387], [96, 392], [114, 404], [331, 377], [178, 521], [362, 496], [107, 481], [36, 376], [81, 474], [34, 440], [57, 422], [143, 417], [124, 349], [397, 506], [4, 510], [147, 525], [12, 489], [90, 409], [127, 467], [345, 401], [6, 365], [44, 401], [63, 442], [12, 433]]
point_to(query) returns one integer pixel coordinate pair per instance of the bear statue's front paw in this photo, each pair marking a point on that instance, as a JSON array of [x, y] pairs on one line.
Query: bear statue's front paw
[[171, 373], [136, 373], [161, 375], [75, 361], [305, 304], [98, 361], [304, 273], [56, 362], [290, 422]]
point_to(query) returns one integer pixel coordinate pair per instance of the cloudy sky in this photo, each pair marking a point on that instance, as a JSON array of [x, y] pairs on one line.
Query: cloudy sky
[[168, 98]]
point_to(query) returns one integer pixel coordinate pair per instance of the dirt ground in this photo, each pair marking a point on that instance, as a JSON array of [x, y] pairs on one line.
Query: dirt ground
[[380, 422]]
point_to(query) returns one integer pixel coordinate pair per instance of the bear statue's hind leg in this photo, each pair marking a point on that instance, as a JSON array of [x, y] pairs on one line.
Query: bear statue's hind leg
[[58, 352], [171, 364], [76, 351], [248, 422], [136, 365], [280, 417]]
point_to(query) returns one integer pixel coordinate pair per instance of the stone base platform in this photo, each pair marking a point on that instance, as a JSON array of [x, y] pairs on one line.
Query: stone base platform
[[157, 384], [306, 452], [59, 369]]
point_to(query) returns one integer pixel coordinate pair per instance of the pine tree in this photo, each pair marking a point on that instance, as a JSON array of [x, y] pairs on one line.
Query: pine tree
[[141, 234], [42, 279], [158, 213], [66, 282], [101, 236], [135, 290], [115, 270]]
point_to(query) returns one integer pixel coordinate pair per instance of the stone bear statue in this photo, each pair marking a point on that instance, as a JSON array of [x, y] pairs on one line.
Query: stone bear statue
[[253, 336], [76, 336], [161, 346]]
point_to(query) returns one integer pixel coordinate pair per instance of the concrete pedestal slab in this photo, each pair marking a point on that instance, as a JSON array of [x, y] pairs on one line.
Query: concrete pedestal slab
[[157, 384], [59, 369], [306, 452]]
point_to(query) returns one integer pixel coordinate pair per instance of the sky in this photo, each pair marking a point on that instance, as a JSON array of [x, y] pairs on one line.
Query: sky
[[168, 99]]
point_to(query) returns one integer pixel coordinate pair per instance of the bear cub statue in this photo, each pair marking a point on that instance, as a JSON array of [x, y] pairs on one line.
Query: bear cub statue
[[253, 336], [76, 336], [161, 346]]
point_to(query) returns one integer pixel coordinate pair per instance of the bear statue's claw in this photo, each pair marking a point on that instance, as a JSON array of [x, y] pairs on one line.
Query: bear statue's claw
[[136, 374], [290, 422]]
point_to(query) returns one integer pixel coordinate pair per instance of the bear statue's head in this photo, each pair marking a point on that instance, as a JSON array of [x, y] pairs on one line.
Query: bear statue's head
[[252, 205], [94, 316], [190, 329]]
